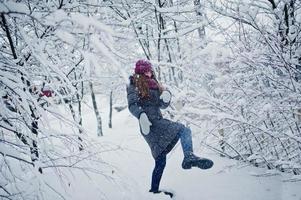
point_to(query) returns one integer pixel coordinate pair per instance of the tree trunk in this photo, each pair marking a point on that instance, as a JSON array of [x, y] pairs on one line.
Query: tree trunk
[[111, 109], [8, 35], [80, 121], [34, 120], [98, 117], [75, 119], [198, 10]]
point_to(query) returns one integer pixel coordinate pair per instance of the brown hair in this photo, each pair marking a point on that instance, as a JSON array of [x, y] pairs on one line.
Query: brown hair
[[141, 83]]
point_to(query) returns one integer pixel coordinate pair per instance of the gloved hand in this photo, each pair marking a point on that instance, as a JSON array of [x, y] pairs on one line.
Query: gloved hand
[[165, 96], [144, 123]]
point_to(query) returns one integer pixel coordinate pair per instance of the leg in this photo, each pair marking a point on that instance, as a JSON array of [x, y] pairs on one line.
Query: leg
[[191, 160], [157, 173], [186, 141]]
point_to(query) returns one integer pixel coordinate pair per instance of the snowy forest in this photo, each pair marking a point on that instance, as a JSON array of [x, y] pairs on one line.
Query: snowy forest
[[233, 68]]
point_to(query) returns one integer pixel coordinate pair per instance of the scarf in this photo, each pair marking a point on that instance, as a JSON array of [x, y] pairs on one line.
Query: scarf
[[152, 83]]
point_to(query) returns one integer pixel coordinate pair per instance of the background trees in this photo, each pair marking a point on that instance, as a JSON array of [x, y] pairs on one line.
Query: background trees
[[257, 95], [233, 67], [45, 44]]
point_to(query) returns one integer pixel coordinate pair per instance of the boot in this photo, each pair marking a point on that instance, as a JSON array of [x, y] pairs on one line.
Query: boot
[[192, 160], [170, 194]]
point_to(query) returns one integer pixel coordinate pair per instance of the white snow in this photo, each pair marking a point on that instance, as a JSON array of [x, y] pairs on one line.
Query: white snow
[[176, 9], [130, 167], [65, 36], [9, 6]]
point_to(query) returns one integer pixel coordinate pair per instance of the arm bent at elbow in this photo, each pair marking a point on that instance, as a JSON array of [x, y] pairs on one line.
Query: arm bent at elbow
[[133, 101]]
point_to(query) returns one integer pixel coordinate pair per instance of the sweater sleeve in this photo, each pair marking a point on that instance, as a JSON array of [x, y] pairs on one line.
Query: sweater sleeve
[[133, 101]]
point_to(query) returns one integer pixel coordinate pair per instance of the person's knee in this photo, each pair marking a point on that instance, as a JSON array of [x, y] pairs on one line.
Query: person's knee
[[188, 130]]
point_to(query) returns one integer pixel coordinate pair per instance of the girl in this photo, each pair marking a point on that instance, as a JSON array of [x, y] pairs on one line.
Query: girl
[[145, 99]]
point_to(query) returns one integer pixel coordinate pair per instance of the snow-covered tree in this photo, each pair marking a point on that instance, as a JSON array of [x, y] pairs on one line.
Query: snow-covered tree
[[45, 44], [254, 95]]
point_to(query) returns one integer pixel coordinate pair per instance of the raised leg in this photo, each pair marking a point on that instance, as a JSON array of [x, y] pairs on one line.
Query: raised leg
[[191, 160], [186, 141]]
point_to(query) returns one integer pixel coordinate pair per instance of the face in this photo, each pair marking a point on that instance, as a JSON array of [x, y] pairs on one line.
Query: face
[[148, 74]]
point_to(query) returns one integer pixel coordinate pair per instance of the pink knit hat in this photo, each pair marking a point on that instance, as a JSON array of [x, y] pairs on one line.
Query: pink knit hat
[[143, 66]]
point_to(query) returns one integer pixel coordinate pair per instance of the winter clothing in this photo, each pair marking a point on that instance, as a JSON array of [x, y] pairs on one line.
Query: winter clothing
[[164, 133], [192, 160], [144, 123], [160, 163], [166, 96], [152, 84], [186, 141], [143, 66], [160, 134], [170, 194]]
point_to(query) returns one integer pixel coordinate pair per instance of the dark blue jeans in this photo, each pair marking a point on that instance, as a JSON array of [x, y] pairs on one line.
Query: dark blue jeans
[[160, 161], [186, 141]]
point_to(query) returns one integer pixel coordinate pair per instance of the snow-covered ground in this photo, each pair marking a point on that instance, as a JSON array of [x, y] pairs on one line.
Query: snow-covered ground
[[132, 164]]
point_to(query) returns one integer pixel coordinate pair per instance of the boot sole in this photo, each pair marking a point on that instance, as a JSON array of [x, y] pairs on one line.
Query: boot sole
[[207, 164], [202, 164], [186, 166]]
